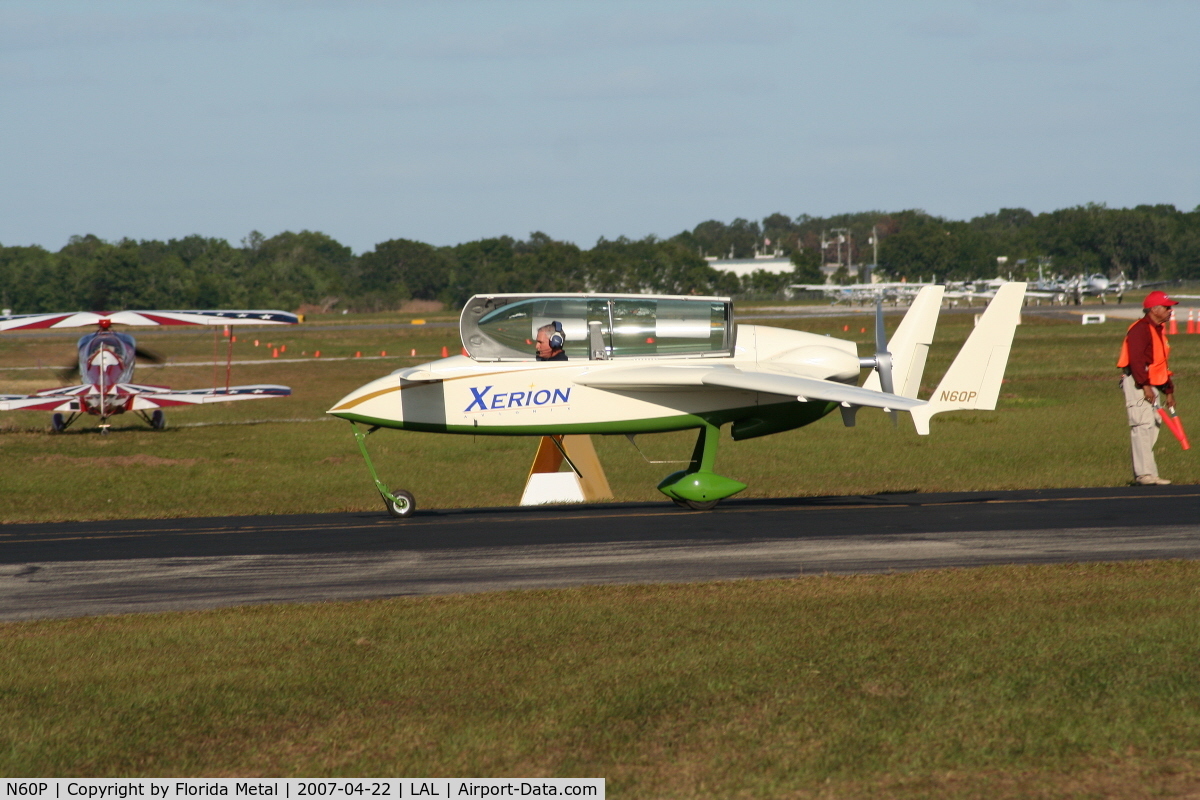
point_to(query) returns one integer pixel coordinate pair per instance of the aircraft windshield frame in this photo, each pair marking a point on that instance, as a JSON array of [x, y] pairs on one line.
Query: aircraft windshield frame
[[503, 327]]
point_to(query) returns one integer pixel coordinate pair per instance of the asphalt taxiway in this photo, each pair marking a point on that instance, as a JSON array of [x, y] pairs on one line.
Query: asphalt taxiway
[[127, 566]]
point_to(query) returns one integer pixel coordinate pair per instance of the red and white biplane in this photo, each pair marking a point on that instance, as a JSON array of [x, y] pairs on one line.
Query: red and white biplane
[[107, 359]]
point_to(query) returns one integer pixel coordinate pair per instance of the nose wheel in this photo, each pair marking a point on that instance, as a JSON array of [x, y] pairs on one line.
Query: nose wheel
[[400, 504]]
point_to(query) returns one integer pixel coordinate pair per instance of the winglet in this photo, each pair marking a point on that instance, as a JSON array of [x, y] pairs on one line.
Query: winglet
[[973, 380], [910, 343]]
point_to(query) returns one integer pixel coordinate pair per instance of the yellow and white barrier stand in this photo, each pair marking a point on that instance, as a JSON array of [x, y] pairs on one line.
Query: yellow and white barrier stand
[[584, 482]]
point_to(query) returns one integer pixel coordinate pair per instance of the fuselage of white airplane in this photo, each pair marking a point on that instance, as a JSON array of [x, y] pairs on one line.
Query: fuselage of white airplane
[[465, 396]]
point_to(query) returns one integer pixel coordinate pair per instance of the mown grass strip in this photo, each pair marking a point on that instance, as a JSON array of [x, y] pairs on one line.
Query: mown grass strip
[[1006, 681]]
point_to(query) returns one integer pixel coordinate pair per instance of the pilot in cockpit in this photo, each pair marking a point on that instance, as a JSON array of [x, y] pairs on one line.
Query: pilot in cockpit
[[549, 344]]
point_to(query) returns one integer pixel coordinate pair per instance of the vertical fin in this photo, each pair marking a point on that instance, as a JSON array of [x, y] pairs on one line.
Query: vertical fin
[[973, 380]]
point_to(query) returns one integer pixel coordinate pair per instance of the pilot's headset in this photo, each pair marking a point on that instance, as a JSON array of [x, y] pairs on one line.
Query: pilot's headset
[[557, 337]]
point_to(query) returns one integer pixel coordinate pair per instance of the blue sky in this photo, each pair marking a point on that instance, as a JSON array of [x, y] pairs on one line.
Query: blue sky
[[452, 121]]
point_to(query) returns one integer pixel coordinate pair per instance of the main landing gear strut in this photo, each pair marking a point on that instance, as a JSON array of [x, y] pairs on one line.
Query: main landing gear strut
[[59, 424], [399, 504], [698, 487], [157, 420]]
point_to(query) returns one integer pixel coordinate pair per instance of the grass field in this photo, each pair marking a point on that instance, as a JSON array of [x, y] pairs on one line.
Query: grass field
[[1004, 682], [1060, 424]]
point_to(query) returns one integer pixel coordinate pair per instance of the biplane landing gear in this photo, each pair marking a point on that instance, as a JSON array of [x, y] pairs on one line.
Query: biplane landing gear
[[400, 504], [697, 487], [157, 420]]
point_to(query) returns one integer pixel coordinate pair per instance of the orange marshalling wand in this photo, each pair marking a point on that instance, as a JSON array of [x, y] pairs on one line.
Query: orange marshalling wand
[[1172, 421]]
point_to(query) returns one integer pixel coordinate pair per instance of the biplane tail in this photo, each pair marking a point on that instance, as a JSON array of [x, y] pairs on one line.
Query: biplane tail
[[909, 345], [973, 380]]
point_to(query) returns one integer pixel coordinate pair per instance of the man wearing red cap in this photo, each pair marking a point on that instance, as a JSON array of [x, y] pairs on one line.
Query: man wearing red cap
[[1147, 377]]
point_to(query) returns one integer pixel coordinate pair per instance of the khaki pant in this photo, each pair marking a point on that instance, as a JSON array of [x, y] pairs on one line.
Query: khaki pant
[[1143, 429]]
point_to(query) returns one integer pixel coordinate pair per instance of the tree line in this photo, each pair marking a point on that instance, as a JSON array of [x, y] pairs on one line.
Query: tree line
[[1145, 242], [310, 268]]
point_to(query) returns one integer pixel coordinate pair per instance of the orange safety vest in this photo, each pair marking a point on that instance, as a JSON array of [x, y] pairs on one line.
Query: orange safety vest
[[1159, 374]]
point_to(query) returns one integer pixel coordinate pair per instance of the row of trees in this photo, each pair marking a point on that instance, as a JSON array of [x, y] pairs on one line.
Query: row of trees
[[1146, 242], [310, 268], [291, 270]]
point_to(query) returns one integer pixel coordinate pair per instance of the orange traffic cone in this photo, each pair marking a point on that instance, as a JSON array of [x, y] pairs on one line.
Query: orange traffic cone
[[275, 353], [414, 352], [316, 354], [383, 353], [445, 351], [464, 351], [358, 353], [283, 348], [1173, 328], [1191, 324]]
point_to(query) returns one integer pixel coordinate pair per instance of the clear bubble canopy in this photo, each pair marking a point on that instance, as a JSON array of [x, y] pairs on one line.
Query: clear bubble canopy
[[503, 327]]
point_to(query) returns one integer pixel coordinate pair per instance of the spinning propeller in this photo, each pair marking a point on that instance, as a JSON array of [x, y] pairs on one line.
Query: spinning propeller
[[70, 373], [881, 362]]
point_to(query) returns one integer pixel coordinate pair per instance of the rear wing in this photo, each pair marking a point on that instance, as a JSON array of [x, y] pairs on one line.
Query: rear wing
[[973, 380]]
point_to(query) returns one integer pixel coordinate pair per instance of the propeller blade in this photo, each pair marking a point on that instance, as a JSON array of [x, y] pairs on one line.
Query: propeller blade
[[69, 374], [153, 356], [883, 359]]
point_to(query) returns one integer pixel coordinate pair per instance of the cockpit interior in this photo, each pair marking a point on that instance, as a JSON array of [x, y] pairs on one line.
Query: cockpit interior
[[503, 327]]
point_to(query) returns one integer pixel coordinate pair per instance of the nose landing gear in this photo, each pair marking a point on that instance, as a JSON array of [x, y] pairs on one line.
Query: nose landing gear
[[400, 504]]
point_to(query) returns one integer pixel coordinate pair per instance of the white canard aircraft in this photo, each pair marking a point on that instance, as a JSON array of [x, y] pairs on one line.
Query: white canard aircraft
[[648, 364]]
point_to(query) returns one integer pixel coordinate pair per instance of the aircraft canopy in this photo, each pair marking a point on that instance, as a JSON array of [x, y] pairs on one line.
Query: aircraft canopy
[[503, 327]]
